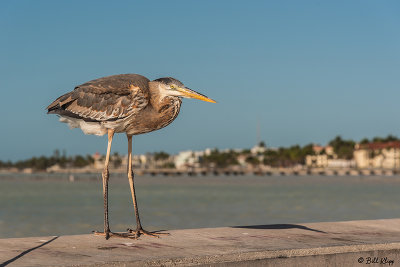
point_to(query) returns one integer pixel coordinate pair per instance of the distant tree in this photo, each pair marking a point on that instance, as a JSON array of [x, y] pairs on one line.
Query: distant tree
[[63, 161], [308, 150], [343, 148], [391, 138], [79, 161], [252, 160], [4, 164], [245, 151], [290, 156], [169, 165], [271, 158], [42, 163], [56, 154], [161, 155], [378, 139], [364, 141], [116, 160], [89, 159], [220, 159]]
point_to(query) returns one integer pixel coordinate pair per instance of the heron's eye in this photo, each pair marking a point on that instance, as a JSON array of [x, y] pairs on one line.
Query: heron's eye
[[172, 86]]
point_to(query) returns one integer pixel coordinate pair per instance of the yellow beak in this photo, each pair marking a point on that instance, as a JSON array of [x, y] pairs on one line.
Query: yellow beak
[[186, 92]]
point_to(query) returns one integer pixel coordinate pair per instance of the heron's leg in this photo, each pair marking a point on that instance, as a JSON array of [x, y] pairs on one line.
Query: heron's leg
[[131, 181], [105, 175], [139, 230]]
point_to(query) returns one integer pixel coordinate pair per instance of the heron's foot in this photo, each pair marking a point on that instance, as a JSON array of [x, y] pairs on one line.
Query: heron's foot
[[107, 235], [140, 231]]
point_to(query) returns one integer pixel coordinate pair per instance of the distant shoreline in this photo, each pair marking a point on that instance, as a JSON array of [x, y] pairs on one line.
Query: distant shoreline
[[249, 178]]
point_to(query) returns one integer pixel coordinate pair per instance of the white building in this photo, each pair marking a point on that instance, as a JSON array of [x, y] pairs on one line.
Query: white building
[[318, 161], [378, 155], [257, 149], [325, 157], [189, 158]]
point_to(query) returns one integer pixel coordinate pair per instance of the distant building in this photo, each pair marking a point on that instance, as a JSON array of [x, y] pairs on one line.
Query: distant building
[[378, 155], [318, 149], [139, 161], [320, 157], [27, 170], [325, 157], [242, 160], [207, 152], [258, 149], [188, 159], [341, 163], [54, 168], [317, 161], [328, 150], [98, 162]]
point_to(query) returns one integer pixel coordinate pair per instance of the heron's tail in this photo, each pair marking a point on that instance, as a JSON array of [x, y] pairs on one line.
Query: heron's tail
[[59, 104]]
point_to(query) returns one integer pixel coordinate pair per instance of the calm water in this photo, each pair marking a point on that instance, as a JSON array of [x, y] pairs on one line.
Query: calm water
[[50, 205]]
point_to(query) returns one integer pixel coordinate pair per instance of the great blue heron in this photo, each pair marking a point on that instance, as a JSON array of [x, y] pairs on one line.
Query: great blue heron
[[125, 103]]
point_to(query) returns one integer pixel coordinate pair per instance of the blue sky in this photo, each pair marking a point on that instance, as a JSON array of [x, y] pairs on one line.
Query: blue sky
[[305, 70]]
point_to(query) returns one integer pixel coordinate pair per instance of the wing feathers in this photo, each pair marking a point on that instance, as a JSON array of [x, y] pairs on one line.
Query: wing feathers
[[104, 99]]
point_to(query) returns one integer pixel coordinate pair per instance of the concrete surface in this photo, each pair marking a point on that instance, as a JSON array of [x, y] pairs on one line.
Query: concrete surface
[[353, 243]]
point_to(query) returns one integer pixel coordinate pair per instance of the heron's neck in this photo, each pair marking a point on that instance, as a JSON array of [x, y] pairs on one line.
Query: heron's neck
[[159, 100]]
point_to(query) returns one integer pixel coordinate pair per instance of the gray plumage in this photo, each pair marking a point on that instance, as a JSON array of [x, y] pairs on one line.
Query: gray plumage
[[121, 102], [104, 99], [128, 103]]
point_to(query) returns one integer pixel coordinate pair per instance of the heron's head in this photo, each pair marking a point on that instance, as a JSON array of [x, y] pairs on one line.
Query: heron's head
[[172, 87]]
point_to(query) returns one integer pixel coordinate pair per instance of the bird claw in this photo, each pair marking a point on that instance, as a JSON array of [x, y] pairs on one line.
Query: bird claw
[[130, 234], [111, 234], [140, 231]]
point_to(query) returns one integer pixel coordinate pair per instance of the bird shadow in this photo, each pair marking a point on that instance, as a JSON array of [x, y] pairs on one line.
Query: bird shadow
[[26, 252], [280, 227]]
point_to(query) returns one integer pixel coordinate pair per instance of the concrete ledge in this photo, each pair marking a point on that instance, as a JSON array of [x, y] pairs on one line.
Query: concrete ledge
[[353, 243]]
